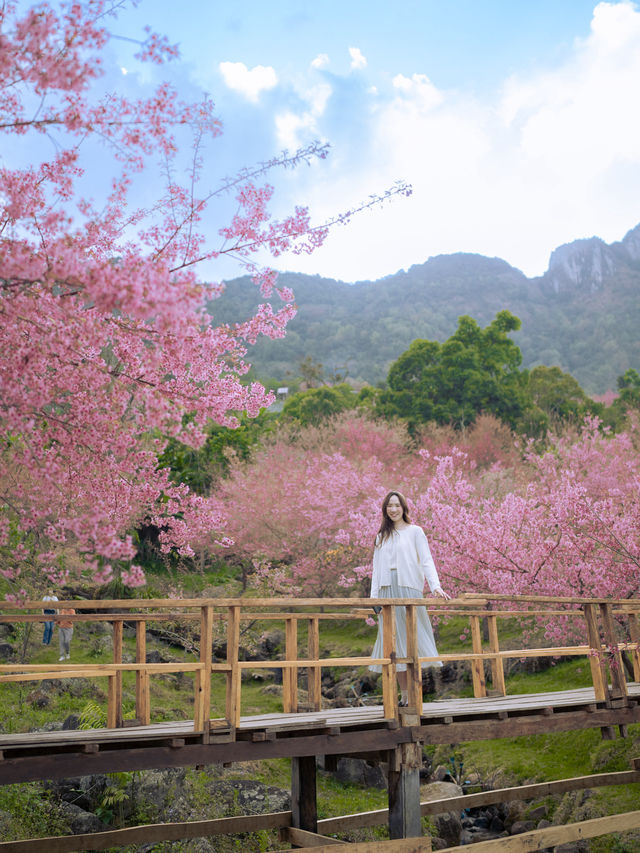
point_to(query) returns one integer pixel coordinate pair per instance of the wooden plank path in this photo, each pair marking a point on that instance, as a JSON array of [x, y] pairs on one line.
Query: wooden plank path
[[379, 733], [300, 723]]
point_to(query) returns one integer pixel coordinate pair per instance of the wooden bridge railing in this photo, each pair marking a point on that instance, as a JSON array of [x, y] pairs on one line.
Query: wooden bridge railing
[[599, 620]]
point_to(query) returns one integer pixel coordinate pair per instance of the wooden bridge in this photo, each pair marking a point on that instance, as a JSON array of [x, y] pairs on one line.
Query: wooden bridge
[[610, 632]]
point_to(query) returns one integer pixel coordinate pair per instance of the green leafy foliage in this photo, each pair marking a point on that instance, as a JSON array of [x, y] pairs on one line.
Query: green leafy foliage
[[200, 468], [557, 400], [475, 370], [317, 404], [629, 386]]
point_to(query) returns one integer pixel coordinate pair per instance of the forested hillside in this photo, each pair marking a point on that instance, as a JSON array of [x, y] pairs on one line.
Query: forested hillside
[[581, 315]]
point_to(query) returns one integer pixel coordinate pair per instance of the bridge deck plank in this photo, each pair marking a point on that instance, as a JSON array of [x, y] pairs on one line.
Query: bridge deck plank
[[341, 718]]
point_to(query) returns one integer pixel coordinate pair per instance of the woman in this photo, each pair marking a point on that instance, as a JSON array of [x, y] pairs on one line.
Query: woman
[[402, 563]]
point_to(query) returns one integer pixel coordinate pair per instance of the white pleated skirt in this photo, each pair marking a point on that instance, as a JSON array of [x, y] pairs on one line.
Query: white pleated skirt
[[426, 641]]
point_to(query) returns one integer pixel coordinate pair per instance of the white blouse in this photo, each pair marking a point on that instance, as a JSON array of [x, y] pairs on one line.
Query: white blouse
[[406, 550]]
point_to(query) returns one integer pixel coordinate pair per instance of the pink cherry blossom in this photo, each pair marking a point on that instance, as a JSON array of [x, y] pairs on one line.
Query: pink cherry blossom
[[108, 345]]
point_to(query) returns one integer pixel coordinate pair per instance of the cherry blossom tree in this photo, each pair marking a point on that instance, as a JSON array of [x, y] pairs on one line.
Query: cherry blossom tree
[[508, 520], [561, 523], [290, 508], [108, 347]]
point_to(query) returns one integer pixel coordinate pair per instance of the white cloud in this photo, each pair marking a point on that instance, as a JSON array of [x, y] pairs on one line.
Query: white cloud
[[291, 127], [358, 61], [419, 88], [321, 61], [294, 129], [249, 82], [551, 156]]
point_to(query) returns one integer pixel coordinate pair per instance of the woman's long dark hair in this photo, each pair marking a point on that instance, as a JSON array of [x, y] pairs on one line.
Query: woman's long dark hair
[[387, 527]]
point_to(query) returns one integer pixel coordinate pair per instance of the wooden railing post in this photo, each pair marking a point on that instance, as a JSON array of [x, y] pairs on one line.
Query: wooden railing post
[[596, 661], [114, 700], [497, 666], [290, 674], [634, 633], [234, 680], [477, 666], [314, 675], [202, 710], [389, 692], [414, 672], [616, 667], [143, 704]]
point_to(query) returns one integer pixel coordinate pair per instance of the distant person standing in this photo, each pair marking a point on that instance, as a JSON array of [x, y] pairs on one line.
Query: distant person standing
[[65, 632], [48, 625]]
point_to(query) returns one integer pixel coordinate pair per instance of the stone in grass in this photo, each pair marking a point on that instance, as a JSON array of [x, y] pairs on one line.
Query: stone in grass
[[356, 771], [448, 824], [522, 826], [81, 821]]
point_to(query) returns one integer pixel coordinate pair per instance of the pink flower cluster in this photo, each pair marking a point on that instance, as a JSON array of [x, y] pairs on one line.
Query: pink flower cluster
[[562, 523], [108, 348]]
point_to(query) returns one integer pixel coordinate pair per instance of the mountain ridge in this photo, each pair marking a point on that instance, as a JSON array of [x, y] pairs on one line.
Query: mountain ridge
[[582, 314]]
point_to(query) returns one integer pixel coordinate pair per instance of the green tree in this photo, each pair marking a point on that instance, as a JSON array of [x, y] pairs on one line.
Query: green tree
[[316, 404], [558, 397], [475, 370], [616, 415], [200, 468], [629, 387]]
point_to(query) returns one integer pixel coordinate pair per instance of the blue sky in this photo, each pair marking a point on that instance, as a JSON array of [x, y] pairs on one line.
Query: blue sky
[[515, 122]]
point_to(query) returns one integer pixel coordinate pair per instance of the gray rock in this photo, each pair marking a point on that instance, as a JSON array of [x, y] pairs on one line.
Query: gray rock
[[449, 826], [537, 814], [270, 643], [52, 726], [496, 825], [39, 698], [81, 821], [439, 791], [522, 826], [85, 792], [356, 771], [583, 264], [247, 796], [160, 790], [473, 834], [7, 652]]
